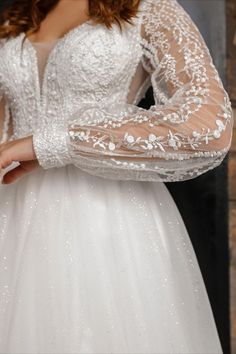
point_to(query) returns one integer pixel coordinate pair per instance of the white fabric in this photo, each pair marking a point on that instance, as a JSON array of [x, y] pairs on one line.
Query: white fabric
[[90, 264], [187, 132], [83, 115]]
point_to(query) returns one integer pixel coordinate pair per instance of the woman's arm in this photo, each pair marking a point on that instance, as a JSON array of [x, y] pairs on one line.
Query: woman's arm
[[5, 121], [186, 133], [20, 150], [2, 113]]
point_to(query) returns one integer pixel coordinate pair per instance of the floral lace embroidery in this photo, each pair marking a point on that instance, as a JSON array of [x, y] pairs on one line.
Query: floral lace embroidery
[[82, 115]]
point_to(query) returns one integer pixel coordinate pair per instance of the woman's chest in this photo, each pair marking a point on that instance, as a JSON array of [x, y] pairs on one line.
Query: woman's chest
[[90, 62]]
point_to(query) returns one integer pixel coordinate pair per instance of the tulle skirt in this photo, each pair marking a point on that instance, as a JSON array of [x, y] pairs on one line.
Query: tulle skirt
[[92, 265]]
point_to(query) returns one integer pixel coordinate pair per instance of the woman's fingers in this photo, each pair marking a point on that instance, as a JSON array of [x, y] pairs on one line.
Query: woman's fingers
[[5, 159], [16, 150], [13, 175], [19, 171], [20, 150]]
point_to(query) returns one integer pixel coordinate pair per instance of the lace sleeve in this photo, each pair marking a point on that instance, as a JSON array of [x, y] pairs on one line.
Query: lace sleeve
[[186, 133]]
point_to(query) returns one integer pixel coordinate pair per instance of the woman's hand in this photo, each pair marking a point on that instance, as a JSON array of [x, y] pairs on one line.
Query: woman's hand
[[22, 151]]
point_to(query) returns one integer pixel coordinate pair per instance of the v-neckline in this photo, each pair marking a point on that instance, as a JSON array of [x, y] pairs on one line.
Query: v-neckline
[[41, 85], [64, 35]]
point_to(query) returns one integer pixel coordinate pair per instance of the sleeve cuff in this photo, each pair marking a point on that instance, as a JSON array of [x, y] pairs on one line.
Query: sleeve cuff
[[51, 148]]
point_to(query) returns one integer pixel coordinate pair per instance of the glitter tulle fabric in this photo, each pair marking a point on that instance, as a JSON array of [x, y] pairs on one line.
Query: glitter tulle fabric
[[94, 255], [90, 265]]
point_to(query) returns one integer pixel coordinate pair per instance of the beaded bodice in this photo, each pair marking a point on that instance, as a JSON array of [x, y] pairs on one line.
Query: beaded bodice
[[72, 76], [82, 108]]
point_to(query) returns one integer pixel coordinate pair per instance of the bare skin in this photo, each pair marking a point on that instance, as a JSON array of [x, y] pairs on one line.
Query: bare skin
[[73, 13], [66, 15]]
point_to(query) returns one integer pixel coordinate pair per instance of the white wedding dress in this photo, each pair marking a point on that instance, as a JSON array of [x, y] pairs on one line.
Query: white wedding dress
[[94, 254]]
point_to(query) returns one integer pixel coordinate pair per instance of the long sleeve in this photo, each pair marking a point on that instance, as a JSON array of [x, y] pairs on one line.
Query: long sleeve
[[6, 128], [5, 122], [187, 131]]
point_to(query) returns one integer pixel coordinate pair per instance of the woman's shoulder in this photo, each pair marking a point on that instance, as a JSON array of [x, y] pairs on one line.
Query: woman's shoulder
[[2, 42], [9, 43], [158, 8], [9, 49], [2, 48]]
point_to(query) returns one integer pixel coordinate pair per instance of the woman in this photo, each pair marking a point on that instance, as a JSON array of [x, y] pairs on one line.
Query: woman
[[95, 257]]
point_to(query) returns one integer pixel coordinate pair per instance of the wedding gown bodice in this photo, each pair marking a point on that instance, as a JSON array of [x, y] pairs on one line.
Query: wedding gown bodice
[[78, 97], [54, 88]]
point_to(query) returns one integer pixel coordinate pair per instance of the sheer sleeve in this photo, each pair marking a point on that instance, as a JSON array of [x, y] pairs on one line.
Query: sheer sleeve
[[187, 131]]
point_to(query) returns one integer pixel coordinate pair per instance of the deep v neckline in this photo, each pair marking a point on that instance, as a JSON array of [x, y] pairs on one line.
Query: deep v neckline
[[68, 33], [42, 54], [41, 86]]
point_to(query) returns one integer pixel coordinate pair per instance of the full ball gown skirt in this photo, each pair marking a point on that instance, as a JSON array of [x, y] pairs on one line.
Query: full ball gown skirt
[[92, 265]]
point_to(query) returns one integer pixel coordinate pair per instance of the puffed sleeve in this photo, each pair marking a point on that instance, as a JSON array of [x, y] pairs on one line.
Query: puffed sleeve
[[186, 133]]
